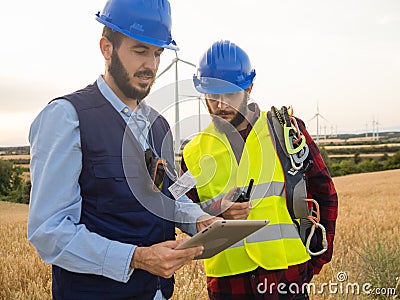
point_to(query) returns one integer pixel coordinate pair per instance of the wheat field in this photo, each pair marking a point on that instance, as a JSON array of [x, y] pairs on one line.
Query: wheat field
[[366, 251]]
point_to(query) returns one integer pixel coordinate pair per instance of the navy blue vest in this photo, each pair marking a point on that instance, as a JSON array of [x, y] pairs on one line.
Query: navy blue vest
[[113, 177]]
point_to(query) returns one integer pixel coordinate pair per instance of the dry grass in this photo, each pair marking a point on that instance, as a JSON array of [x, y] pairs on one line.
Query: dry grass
[[368, 216], [361, 146], [15, 157], [367, 245], [366, 155], [23, 275]]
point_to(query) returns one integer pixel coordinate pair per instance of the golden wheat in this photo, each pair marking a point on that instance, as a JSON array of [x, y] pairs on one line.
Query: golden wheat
[[15, 157], [368, 213], [23, 275]]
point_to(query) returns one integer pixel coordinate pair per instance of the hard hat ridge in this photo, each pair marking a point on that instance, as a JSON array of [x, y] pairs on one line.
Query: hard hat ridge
[[148, 21], [224, 68]]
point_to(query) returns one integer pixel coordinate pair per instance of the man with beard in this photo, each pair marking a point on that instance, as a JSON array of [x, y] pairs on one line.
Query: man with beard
[[101, 164], [236, 147]]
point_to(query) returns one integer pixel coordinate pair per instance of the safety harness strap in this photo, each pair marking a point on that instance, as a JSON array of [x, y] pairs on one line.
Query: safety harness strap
[[295, 180], [290, 144]]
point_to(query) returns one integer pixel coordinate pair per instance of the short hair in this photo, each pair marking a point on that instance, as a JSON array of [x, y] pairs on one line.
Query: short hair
[[113, 36]]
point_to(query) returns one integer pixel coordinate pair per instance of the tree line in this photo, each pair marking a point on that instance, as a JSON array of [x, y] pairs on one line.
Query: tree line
[[357, 164], [14, 188]]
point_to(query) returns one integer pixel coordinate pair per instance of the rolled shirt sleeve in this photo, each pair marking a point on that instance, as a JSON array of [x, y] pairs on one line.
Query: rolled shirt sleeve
[[186, 213], [55, 205]]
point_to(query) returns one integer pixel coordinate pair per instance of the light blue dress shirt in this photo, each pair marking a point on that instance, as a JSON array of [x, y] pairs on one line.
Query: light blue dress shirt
[[55, 204]]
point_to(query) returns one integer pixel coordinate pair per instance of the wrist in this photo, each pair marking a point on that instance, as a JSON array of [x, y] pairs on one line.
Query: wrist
[[135, 258]]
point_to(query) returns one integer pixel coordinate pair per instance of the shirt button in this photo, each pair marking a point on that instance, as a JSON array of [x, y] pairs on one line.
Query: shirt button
[[125, 110]]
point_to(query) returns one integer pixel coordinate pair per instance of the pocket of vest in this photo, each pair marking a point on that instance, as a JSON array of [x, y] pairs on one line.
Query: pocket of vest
[[113, 191], [116, 171]]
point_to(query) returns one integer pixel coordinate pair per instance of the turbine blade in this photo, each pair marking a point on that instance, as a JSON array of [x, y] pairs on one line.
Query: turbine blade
[[166, 69], [312, 118], [190, 96], [323, 118], [186, 62]]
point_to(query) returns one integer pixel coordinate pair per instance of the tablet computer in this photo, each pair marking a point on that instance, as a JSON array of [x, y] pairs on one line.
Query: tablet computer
[[222, 234]]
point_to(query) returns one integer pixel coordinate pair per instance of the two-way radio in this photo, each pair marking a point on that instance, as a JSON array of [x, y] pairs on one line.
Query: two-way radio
[[245, 196]]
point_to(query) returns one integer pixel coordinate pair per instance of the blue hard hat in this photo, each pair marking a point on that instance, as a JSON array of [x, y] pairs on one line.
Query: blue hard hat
[[223, 68], [148, 21]]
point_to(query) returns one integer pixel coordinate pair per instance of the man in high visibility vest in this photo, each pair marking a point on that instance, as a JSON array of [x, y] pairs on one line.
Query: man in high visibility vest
[[237, 146]]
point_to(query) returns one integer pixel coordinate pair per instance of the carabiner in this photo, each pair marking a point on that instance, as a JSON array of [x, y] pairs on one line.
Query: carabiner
[[302, 155], [289, 141], [324, 240], [295, 166]]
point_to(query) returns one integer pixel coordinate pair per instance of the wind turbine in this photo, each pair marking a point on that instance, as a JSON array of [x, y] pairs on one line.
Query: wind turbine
[[373, 129], [318, 115], [177, 127], [377, 129], [199, 98]]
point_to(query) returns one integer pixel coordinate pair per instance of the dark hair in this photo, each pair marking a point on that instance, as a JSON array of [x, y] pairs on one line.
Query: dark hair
[[113, 36]]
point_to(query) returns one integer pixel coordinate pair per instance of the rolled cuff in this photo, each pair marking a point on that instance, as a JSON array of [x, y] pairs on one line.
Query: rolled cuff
[[117, 261]]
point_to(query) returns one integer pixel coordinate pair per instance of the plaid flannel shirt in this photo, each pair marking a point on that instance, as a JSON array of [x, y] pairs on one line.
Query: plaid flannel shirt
[[319, 187]]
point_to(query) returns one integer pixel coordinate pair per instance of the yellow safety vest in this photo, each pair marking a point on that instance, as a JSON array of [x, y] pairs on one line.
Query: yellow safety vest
[[209, 157]]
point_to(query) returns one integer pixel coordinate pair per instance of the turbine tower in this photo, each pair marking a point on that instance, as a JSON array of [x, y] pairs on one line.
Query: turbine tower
[[373, 129], [199, 98], [317, 116], [377, 129], [177, 127]]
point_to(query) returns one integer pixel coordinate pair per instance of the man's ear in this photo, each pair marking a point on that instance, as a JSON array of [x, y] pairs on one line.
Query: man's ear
[[106, 48]]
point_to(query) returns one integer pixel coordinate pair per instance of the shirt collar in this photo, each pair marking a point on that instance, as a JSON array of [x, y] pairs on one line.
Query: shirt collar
[[142, 111], [254, 107]]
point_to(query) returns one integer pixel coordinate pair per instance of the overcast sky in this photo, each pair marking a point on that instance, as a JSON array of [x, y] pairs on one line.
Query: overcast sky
[[342, 54]]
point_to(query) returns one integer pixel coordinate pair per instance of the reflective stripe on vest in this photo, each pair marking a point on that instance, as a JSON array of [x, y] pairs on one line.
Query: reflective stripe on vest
[[270, 233], [259, 191], [212, 162]]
